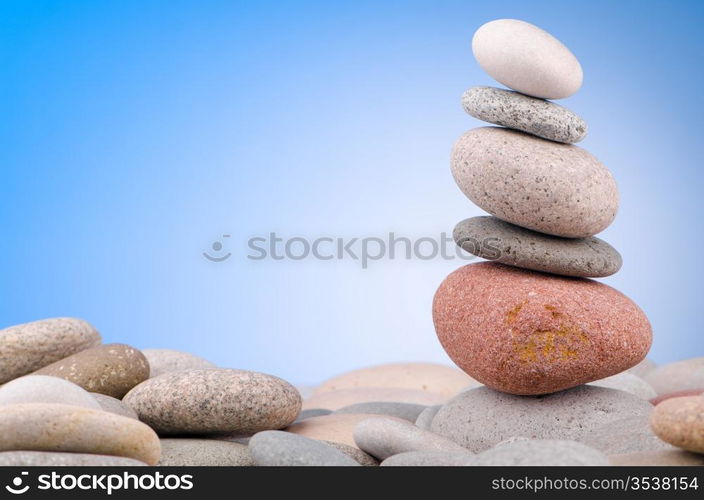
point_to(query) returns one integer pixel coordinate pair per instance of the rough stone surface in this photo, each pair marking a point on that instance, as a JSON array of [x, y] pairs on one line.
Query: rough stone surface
[[383, 437], [214, 401], [527, 59], [168, 360], [111, 369], [30, 346], [186, 452], [60, 459], [65, 428], [552, 188], [114, 405], [425, 419], [493, 239], [628, 435], [428, 377], [405, 411], [334, 400], [658, 457], [525, 332], [678, 376], [429, 459], [356, 454], [45, 389], [528, 452], [629, 383], [680, 422], [337, 427], [278, 448], [521, 112], [480, 418]]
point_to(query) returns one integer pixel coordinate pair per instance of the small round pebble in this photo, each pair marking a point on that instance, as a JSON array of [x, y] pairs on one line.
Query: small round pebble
[[114, 405], [45, 389], [425, 419], [628, 435], [533, 452], [383, 437], [278, 448], [521, 112], [63, 459], [30, 346], [405, 411], [111, 369], [187, 452], [480, 418], [680, 422], [677, 376], [214, 401], [429, 459], [527, 59], [169, 360], [58, 427], [429, 377], [493, 239], [354, 453], [552, 188], [334, 400], [525, 332], [627, 382]]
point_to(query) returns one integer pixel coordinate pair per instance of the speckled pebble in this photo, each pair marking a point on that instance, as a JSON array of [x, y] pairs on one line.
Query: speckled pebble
[[58, 427], [527, 59], [480, 418], [169, 360], [677, 376], [62, 459], [354, 453], [525, 332], [628, 435], [114, 405], [536, 452], [45, 389], [627, 382], [405, 411], [680, 422], [552, 188], [521, 112], [214, 401], [334, 400], [493, 239], [187, 452], [383, 437], [428, 377], [111, 369], [425, 419], [429, 459], [278, 448], [30, 346]]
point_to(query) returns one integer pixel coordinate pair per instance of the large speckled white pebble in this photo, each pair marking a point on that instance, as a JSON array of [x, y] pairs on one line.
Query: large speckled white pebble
[[527, 59]]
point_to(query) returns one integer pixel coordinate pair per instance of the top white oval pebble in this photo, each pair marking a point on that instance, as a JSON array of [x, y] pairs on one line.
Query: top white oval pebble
[[527, 59]]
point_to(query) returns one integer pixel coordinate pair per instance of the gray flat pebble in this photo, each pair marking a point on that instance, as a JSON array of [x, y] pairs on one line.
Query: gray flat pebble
[[354, 453], [628, 435], [429, 459], [540, 453], [186, 452], [383, 437], [62, 459], [518, 111], [114, 405], [279, 448], [425, 418], [312, 412], [405, 411], [499, 241], [45, 389]]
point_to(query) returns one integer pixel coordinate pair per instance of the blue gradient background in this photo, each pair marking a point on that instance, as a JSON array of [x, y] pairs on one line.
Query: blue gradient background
[[134, 134]]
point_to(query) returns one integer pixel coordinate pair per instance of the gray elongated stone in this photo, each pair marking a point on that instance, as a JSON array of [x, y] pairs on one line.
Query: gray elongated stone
[[354, 453], [528, 114], [114, 405], [493, 239], [279, 448], [405, 411], [425, 419]]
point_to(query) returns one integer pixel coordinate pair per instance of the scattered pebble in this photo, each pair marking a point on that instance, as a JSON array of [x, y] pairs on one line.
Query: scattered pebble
[[187, 452], [278, 448], [168, 360], [45, 389], [312, 412], [677, 376], [337, 427], [680, 422], [114, 405], [355, 453], [425, 419], [405, 411]]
